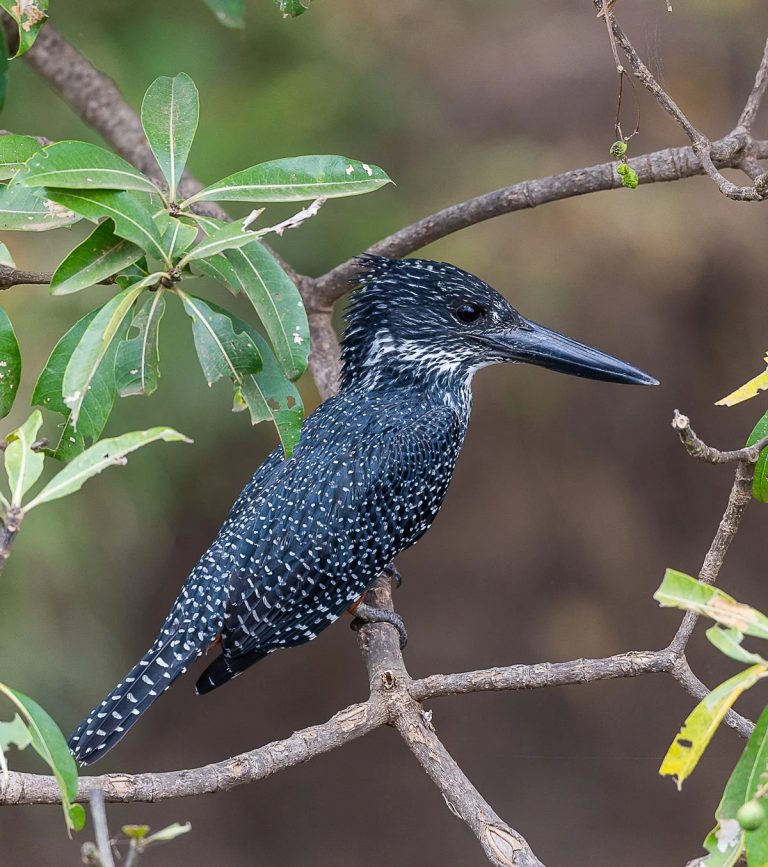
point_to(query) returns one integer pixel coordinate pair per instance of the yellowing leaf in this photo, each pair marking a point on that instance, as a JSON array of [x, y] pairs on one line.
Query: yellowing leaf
[[688, 746], [747, 391]]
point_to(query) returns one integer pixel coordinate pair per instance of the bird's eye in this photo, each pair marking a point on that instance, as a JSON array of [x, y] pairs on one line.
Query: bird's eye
[[468, 313]]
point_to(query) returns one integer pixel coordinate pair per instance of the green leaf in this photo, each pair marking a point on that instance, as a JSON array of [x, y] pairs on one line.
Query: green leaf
[[295, 179], [169, 115], [293, 8], [687, 748], [132, 218], [135, 832], [171, 832], [4, 58], [679, 590], [93, 346], [12, 734], [102, 254], [760, 483], [742, 786], [217, 267], [78, 165], [179, 237], [15, 150], [728, 641], [98, 457], [22, 465], [267, 394], [98, 401], [222, 350], [727, 852], [277, 301], [49, 743], [231, 13], [228, 237], [22, 210], [5, 255], [29, 15], [137, 367], [10, 364]]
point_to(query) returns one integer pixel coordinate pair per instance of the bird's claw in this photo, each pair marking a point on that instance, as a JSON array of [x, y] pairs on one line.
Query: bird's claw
[[368, 614], [393, 573]]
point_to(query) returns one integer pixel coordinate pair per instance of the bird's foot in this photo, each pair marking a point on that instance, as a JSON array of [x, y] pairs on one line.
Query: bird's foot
[[393, 573], [368, 614]]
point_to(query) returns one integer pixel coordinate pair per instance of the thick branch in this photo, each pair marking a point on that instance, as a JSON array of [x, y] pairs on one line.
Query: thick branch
[[671, 164]]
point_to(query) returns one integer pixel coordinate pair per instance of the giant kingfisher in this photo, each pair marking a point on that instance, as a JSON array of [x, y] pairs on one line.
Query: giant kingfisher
[[309, 534]]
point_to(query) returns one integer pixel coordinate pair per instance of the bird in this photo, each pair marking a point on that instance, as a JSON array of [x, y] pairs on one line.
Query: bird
[[309, 534]]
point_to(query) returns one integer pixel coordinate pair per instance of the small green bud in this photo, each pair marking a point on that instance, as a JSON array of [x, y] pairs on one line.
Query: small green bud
[[751, 815], [618, 149], [630, 179], [622, 168]]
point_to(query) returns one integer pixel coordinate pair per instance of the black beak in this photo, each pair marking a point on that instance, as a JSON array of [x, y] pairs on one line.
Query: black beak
[[535, 344]]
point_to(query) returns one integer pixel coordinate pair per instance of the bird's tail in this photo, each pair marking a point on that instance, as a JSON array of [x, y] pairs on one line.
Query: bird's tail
[[109, 722]]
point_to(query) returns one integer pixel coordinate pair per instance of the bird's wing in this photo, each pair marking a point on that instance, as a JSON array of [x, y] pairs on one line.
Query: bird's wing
[[324, 529]]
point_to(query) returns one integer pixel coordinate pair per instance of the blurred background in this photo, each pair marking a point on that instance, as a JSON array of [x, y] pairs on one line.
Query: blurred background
[[570, 499]]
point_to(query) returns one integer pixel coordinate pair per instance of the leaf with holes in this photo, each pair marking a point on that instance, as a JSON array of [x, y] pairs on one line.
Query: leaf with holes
[[293, 8], [231, 13], [12, 734], [169, 115], [222, 350], [296, 179], [15, 150], [102, 254], [29, 15], [137, 366], [95, 343], [22, 465], [278, 303], [10, 364], [98, 457], [744, 782], [22, 210], [679, 590], [77, 165], [760, 483], [48, 742], [132, 218], [688, 746], [99, 399]]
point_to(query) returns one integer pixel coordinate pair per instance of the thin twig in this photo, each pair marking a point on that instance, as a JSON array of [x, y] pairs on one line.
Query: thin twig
[[100, 827], [701, 144], [757, 93]]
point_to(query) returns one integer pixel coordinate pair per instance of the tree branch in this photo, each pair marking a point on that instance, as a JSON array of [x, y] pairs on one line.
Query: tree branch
[[702, 146], [670, 164], [748, 115]]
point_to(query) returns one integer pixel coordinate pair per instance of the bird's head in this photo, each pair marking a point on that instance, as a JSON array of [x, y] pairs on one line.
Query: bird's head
[[415, 317]]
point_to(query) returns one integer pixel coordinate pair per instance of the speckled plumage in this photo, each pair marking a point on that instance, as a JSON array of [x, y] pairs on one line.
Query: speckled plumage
[[309, 535]]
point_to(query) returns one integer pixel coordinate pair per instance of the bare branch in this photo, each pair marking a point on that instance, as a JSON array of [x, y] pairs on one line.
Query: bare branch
[[671, 164], [702, 146], [544, 674], [100, 827], [752, 106], [346, 725], [502, 845], [9, 528]]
